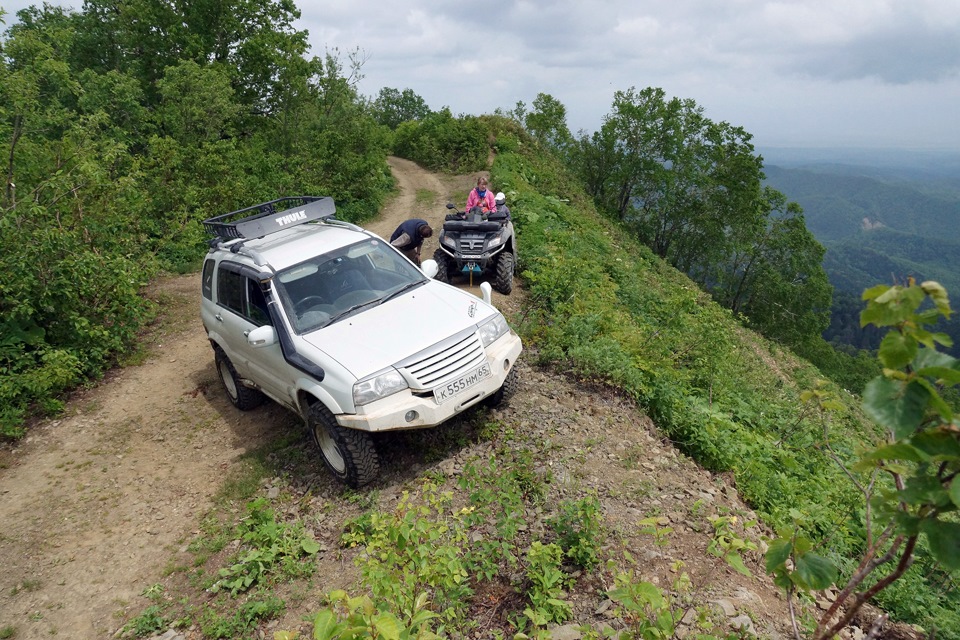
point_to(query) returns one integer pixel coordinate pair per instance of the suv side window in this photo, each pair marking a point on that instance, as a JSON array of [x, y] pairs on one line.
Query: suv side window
[[242, 295], [231, 290], [258, 304], [208, 278]]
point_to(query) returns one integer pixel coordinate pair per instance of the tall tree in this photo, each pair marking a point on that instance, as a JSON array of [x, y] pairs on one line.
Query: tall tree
[[547, 122], [255, 39], [393, 107], [777, 279], [691, 189]]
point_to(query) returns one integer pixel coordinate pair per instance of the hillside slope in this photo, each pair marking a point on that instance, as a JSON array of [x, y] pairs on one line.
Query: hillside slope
[[113, 500]]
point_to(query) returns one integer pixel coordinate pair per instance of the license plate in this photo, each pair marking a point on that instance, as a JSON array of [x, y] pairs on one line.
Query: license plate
[[454, 387]]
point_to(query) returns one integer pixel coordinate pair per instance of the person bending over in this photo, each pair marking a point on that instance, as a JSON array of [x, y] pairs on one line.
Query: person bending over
[[409, 236]]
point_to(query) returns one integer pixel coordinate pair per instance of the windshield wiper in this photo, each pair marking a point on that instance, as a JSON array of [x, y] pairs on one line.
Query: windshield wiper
[[405, 287], [350, 310]]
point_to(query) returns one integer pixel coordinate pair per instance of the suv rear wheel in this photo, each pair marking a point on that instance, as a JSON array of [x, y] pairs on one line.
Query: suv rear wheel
[[348, 454], [242, 397]]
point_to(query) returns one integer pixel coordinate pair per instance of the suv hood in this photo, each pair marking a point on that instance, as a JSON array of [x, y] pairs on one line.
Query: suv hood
[[378, 337]]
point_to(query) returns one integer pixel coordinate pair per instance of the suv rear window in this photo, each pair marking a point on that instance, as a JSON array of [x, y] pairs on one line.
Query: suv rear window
[[208, 279]]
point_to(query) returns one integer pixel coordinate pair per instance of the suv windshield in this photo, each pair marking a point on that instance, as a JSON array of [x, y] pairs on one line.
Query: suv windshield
[[331, 286]]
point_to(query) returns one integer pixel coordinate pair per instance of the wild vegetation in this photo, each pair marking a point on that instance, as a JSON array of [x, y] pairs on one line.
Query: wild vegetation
[[119, 142]]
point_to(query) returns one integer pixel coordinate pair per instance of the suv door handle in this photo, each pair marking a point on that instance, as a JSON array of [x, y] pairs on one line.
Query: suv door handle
[[219, 317]]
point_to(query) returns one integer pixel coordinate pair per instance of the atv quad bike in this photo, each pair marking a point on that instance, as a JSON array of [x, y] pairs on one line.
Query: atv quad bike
[[478, 245]]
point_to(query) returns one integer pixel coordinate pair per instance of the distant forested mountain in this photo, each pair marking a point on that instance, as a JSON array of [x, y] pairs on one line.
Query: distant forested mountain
[[879, 224]]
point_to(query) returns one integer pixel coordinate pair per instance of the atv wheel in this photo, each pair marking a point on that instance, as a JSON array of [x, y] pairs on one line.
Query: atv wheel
[[506, 390], [443, 266], [242, 397], [349, 454], [503, 280]]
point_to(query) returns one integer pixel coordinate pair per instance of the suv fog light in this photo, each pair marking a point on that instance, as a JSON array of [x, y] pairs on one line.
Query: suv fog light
[[411, 416], [506, 365]]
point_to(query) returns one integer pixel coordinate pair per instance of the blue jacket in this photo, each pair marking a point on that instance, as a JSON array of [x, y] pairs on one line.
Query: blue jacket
[[411, 228]]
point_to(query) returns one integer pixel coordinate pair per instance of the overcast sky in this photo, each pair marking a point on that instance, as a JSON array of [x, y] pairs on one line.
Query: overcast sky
[[847, 73]]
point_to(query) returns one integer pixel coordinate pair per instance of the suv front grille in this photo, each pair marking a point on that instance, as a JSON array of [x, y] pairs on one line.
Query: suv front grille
[[452, 359]]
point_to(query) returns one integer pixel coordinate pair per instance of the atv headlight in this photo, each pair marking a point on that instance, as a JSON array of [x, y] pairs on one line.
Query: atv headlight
[[493, 328], [450, 242], [378, 386], [496, 240]]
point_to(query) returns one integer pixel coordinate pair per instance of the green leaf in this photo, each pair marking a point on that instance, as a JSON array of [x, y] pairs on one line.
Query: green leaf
[[938, 444], [310, 546], [933, 358], [897, 350], [896, 451], [734, 560], [874, 292], [815, 571], [388, 626], [937, 403], [943, 339], [877, 315], [325, 625], [948, 375], [944, 539], [778, 553], [955, 491], [895, 405], [924, 490], [938, 294]]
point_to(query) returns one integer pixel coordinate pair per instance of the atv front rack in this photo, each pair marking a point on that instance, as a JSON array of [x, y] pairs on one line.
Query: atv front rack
[[269, 217], [465, 225]]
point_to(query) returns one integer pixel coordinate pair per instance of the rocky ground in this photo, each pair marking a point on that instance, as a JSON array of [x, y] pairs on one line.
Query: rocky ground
[[97, 503]]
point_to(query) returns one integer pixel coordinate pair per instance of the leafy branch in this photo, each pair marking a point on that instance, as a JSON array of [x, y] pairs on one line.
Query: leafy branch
[[920, 459]]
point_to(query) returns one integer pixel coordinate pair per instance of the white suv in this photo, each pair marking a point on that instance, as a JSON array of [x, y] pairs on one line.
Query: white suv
[[332, 322]]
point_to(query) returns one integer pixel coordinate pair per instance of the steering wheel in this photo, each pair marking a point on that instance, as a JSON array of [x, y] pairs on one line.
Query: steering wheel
[[308, 302]]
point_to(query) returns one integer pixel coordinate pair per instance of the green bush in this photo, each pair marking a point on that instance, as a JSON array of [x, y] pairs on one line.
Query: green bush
[[579, 530], [442, 142]]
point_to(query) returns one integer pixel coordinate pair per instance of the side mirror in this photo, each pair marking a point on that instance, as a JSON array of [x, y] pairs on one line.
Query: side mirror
[[429, 268], [450, 205], [262, 336]]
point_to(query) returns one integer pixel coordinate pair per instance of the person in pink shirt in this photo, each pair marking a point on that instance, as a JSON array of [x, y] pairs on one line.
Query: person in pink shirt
[[481, 197]]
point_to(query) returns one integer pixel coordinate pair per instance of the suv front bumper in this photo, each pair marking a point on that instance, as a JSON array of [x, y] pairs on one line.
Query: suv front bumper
[[393, 412]]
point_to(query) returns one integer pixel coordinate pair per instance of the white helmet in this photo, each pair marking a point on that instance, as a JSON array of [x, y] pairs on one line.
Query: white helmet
[[500, 198]]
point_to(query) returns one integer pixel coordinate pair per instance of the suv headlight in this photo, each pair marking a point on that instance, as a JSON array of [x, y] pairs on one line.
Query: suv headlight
[[493, 328], [379, 386]]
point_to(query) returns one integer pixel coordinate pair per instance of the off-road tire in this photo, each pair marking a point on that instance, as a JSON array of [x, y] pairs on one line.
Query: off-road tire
[[506, 390], [443, 266], [503, 279], [348, 454], [242, 397]]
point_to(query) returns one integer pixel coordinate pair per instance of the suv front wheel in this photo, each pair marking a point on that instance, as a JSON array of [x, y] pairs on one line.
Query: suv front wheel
[[348, 454]]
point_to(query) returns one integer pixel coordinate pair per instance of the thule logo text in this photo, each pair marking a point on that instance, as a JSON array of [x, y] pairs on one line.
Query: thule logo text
[[291, 217]]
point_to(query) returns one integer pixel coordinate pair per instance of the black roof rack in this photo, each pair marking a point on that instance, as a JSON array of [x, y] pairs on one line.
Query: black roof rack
[[269, 217]]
